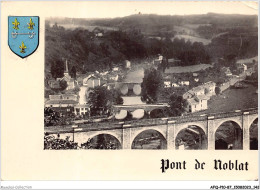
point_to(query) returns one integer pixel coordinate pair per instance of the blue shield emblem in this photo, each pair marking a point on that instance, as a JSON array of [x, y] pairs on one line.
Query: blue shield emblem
[[23, 34]]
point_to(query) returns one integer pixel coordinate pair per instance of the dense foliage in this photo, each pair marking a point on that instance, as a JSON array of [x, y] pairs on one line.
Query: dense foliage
[[101, 99], [152, 83], [138, 37], [177, 105]]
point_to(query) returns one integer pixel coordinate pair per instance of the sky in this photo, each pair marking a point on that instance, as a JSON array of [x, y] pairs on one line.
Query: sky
[[112, 9]]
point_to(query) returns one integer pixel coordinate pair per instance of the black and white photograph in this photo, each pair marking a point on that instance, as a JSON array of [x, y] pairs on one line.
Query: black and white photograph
[[129, 94], [152, 81]]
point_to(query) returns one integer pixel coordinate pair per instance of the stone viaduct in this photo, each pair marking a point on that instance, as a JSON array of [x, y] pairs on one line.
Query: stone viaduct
[[126, 131]]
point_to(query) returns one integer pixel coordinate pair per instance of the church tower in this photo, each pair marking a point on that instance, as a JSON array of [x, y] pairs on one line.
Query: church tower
[[66, 71]]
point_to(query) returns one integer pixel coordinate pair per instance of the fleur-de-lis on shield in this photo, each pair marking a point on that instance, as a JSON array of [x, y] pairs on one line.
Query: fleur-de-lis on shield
[[30, 24], [22, 47], [16, 23]]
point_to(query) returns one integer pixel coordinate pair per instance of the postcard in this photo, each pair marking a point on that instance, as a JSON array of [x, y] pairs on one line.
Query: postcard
[[129, 90]]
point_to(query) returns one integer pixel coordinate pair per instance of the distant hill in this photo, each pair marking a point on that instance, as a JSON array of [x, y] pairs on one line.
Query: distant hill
[[142, 36], [152, 24]]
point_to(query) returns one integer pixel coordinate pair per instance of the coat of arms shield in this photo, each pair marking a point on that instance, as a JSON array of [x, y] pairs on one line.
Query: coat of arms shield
[[23, 34]]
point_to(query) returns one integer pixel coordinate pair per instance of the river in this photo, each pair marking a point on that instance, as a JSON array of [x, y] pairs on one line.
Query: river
[[134, 76]]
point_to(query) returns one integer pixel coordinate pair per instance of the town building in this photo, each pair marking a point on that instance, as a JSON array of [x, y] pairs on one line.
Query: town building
[[242, 67], [184, 83], [197, 103], [70, 97], [82, 109], [54, 84], [167, 84], [198, 97], [116, 69], [61, 103], [158, 60], [173, 62], [175, 85], [226, 71], [62, 100], [91, 81], [71, 83], [127, 64]]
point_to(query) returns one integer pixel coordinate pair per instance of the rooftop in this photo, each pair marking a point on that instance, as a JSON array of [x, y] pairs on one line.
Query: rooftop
[[187, 69], [192, 101], [61, 102], [202, 97]]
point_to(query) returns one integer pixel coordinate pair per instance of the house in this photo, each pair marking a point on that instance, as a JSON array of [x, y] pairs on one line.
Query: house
[[195, 74], [207, 89], [91, 81], [210, 86], [114, 78], [186, 69], [60, 103], [59, 100], [71, 83], [187, 95], [115, 68], [175, 84], [54, 84], [197, 103], [184, 83], [160, 57], [99, 34], [127, 64], [64, 107], [104, 73], [227, 71], [173, 61], [242, 67], [158, 60], [167, 84], [70, 97], [82, 109], [55, 97]]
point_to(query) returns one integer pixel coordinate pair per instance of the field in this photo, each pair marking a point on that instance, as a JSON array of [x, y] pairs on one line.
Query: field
[[87, 27], [193, 39], [233, 99]]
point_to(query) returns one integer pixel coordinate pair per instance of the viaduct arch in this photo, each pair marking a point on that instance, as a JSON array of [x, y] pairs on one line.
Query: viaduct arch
[[169, 128]]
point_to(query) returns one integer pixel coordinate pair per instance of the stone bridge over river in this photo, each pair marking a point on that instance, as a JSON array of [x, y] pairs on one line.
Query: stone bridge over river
[[168, 128]]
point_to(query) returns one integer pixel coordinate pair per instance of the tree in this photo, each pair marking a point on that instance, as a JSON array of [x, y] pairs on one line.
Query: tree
[[73, 72], [63, 84], [177, 105], [152, 82], [51, 117], [217, 90], [117, 99], [99, 100], [57, 69]]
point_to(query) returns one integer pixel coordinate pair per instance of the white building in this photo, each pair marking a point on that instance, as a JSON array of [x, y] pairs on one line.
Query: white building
[[197, 103], [167, 84], [127, 64], [91, 81], [71, 83], [81, 109]]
